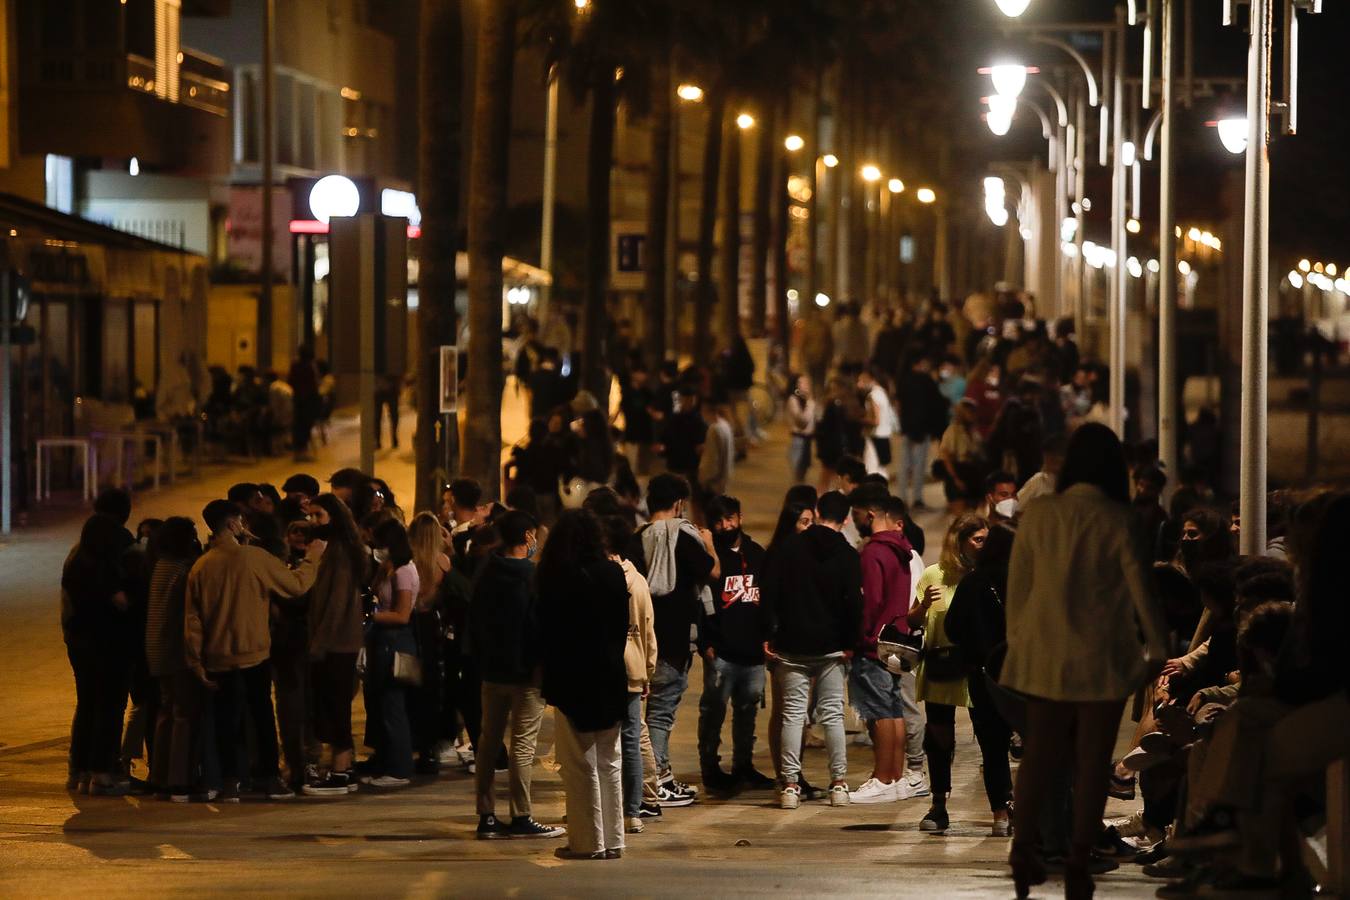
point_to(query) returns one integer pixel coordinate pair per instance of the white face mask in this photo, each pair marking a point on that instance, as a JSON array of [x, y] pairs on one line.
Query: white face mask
[[1006, 508], [381, 555]]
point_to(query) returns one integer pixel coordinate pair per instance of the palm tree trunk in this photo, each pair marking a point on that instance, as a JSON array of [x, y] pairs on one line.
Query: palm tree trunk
[[766, 143], [441, 53], [782, 333], [487, 241], [707, 224], [658, 208], [730, 257], [599, 161]]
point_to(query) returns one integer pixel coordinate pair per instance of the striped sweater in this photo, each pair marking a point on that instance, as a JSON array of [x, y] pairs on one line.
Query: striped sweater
[[164, 617]]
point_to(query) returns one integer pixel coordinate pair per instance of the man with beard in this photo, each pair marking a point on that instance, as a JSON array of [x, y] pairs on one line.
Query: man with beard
[[731, 642]]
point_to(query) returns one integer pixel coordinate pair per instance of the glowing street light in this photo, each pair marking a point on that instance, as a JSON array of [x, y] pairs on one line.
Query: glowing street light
[[1233, 134], [794, 142], [1008, 78], [895, 185], [1001, 111], [1013, 8], [1132, 226], [870, 173], [925, 195], [1295, 280], [830, 160], [689, 92], [745, 121], [822, 300], [1304, 265]]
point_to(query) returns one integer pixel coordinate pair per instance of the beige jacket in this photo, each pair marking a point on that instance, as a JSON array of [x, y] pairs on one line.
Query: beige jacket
[[639, 656], [1078, 601], [226, 620]]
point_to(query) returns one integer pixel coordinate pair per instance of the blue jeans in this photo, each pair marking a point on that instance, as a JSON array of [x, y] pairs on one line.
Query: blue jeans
[[744, 686], [799, 456], [388, 729], [797, 674], [913, 469], [667, 689], [630, 742]]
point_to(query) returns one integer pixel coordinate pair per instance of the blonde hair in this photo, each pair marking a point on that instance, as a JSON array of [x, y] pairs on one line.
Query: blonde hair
[[953, 561], [428, 543]]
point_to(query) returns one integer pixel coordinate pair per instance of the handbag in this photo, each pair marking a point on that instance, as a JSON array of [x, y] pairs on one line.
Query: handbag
[[943, 663], [407, 669]]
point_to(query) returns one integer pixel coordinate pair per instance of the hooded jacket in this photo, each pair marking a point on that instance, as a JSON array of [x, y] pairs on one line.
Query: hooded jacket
[[812, 594], [886, 587], [734, 628], [503, 630]]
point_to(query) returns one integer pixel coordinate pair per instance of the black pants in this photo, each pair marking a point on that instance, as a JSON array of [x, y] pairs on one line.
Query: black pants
[[294, 696], [176, 754], [333, 678], [241, 691], [992, 734], [102, 680]]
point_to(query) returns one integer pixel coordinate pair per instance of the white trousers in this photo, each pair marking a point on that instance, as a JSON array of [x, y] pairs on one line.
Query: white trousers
[[591, 765]]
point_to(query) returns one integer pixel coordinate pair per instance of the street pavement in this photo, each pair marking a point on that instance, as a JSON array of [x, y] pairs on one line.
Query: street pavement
[[419, 842]]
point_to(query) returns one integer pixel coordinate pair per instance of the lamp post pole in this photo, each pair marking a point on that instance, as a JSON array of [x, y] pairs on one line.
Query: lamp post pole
[[1255, 287], [1168, 445], [1116, 312]]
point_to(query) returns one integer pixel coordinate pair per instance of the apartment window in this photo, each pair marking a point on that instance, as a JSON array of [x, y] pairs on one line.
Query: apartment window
[[285, 111], [248, 120], [308, 122]]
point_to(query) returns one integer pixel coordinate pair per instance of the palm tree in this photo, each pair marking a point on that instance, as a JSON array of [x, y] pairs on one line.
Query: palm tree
[[766, 146], [730, 257], [441, 42], [658, 200], [487, 237], [595, 284], [706, 296]]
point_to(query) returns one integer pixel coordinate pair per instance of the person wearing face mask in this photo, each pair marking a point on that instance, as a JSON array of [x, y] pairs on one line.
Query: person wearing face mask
[[678, 560], [228, 641], [1000, 497], [334, 620], [395, 587], [731, 642], [505, 640]]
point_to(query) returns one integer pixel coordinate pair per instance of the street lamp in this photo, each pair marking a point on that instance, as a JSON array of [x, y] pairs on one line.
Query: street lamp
[[1013, 8], [745, 121], [691, 93], [794, 142], [895, 185], [830, 160], [1008, 79], [925, 195], [1233, 134], [871, 173]]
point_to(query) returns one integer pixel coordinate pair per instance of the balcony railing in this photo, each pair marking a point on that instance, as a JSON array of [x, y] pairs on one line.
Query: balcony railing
[[203, 80]]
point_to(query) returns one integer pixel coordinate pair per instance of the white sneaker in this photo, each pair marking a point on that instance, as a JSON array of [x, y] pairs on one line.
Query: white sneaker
[[839, 795], [791, 797], [912, 784], [386, 781], [874, 791], [1002, 828], [633, 825], [446, 754], [1132, 827]]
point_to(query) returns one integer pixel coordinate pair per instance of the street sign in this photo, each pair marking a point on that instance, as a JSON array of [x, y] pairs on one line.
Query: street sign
[[628, 242], [449, 379]]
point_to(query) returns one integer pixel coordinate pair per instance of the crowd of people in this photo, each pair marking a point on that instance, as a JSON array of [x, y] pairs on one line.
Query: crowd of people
[[1061, 590]]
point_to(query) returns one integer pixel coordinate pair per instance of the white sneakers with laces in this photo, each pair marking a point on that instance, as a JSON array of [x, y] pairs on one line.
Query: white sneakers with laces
[[912, 784], [791, 797], [876, 791], [839, 794]]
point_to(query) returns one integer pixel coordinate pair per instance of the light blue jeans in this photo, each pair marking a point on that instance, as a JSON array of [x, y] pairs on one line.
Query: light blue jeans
[[799, 456], [630, 743], [913, 469], [667, 689], [797, 673]]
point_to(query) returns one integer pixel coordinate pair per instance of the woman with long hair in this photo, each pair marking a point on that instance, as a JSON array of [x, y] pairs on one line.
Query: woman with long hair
[[427, 539], [961, 453], [173, 763], [801, 410], [839, 432], [1083, 635], [940, 682], [976, 625], [334, 621], [94, 619], [798, 513], [396, 587], [583, 608]]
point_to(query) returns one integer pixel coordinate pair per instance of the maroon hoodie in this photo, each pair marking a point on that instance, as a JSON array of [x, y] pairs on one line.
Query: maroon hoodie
[[886, 587]]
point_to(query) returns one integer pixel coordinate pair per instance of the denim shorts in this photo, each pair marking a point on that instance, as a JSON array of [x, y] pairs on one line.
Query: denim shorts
[[873, 691]]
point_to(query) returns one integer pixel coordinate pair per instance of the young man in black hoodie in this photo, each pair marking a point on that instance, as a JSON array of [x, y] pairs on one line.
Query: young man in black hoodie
[[731, 642], [504, 639], [812, 598]]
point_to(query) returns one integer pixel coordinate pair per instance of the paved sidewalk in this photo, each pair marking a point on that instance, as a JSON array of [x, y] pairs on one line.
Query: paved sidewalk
[[419, 842]]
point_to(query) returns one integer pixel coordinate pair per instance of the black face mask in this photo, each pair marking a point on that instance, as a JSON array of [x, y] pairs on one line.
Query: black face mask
[[322, 532], [725, 540]]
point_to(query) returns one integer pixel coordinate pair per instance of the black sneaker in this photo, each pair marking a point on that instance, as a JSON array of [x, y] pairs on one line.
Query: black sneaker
[[331, 785], [649, 811], [427, 765], [527, 827], [717, 781], [935, 821], [229, 793], [671, 798], [491, 828], [1015, 747], [753, 779], [275, 788]]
